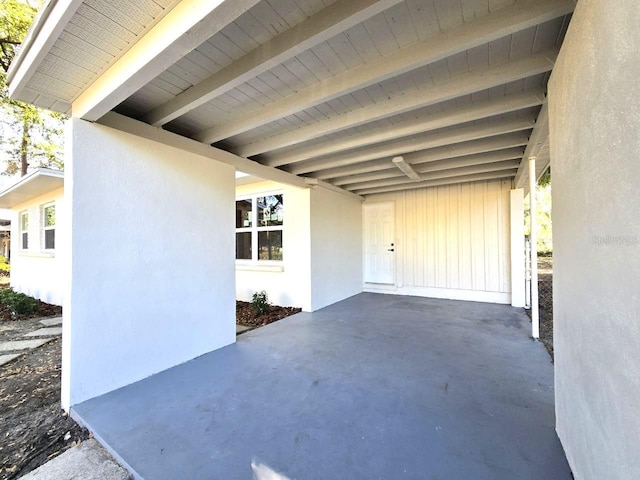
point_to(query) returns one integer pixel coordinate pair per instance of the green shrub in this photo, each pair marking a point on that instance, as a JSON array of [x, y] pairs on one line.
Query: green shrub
[[18, 303], [260, 302]]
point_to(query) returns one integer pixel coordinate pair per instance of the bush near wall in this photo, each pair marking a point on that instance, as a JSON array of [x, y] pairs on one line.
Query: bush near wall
[[18, 303]]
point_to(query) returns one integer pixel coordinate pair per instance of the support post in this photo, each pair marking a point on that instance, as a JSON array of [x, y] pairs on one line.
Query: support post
[[535, 313], [517, 248]]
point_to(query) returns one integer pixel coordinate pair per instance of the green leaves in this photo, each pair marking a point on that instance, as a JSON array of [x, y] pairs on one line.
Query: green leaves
[[29, 136]]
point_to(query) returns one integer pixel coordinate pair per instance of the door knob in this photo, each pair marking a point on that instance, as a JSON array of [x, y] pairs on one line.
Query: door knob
[[390, 250]]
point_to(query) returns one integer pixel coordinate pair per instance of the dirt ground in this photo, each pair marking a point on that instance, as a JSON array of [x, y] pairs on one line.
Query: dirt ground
[[545, 295], [34, 429]]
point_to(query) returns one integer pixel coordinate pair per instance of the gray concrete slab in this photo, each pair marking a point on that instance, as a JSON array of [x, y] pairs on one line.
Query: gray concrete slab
[[51, 322], [18, 345], [87, 461], [241, 329], [376, 386], [45, 332], [4, 359]]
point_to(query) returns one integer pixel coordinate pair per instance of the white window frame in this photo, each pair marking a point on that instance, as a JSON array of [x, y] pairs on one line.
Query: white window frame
[[22, 229], [254, 229], [45, 228]]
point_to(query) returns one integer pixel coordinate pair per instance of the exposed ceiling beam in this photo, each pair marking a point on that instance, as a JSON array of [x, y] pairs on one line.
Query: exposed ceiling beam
[[505, 174], [498, 24], [144, 130], [538, 143], [185, 27], [457, 86], [468, 160], [330, 21], [467, 113], [443, 174], [402, 146], [491, 144], [315, 183]]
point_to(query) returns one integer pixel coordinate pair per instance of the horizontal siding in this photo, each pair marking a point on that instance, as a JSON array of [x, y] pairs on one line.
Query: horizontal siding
[[453, 237]]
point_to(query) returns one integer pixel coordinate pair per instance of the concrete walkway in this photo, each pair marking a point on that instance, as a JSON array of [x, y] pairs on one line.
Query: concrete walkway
[[12, 349], [87, 461], [375, 386]]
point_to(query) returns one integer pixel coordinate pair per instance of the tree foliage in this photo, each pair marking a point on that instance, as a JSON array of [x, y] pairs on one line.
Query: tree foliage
[[29, 136]]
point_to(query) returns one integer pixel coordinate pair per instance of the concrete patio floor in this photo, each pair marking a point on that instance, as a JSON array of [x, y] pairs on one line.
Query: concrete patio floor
[[375, 386]]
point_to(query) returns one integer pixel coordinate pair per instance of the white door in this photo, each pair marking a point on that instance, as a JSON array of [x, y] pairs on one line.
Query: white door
[[379, 243]]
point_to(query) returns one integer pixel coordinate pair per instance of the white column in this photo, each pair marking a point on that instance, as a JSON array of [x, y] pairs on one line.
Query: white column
[[149, 259], [517, 248], [535, 314]]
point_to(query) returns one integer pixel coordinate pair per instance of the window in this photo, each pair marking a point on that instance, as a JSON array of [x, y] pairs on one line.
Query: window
[[259, 223], [49, 226], [24, 230]]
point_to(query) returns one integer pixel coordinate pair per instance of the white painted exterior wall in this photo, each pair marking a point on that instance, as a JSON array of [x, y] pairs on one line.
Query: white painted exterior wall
[[288, 284], [336, 247], [322, 245], [36, 271], [149, 265], [595, 140], [452, 242]]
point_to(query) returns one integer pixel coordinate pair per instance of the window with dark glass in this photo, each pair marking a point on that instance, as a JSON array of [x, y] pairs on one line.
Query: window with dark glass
[[259, 225], [49, 226], [24, 230]]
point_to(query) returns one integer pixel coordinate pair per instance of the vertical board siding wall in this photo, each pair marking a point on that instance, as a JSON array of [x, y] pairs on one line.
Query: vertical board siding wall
[[453, 241]]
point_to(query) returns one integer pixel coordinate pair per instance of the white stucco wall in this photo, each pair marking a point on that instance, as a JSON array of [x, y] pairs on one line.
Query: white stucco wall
[[336, 247], [594, 112], [287, 285], [151, 259], [452, 242], [36, 271]]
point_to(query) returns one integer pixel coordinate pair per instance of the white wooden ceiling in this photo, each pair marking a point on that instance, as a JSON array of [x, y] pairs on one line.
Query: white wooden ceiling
[[334, 90]]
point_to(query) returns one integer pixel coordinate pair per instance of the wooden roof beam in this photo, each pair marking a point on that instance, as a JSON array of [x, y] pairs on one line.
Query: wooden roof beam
[[442, 174], [181, 30], [404, 146], [490, 144], [434, 166], [334, 19], [505, 174], [458, 86], [502, 22], [468, 113]]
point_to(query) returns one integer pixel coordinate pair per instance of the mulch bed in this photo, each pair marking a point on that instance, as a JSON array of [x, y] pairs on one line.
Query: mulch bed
[[245, 314]]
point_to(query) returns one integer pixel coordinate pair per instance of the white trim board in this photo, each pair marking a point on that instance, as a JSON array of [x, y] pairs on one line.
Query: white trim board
[[444, 293]]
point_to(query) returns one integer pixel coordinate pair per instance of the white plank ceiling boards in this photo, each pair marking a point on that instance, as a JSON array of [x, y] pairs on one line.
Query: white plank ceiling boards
[[326, 89]]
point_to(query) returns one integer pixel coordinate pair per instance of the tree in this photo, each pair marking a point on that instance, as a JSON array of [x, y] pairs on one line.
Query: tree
[[30, 136]]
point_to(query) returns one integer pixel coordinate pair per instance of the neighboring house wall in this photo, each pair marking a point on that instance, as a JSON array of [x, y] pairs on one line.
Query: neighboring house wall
[[452, 241], [322, 249], [37, 271], [150, 266], [595, 140], [286, 284], [336, 247]]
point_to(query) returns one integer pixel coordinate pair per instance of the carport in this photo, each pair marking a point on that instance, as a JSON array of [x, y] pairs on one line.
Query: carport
[[370, 387], [430, 113]]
